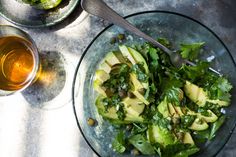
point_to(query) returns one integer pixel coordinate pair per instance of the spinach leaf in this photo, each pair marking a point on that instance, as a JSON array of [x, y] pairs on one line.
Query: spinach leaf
[[141, 143], [118, 143], [179, 150], [191, 51], [216, 125], [187, 152], [201, 136]]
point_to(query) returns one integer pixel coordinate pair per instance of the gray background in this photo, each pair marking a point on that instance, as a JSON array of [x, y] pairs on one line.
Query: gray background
[[39, 122]]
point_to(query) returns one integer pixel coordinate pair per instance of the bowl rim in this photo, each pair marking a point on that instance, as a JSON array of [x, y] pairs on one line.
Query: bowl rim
[[42, 25], [131, 15]]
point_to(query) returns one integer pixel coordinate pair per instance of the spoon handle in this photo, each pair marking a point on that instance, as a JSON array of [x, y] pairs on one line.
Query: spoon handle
[[102, 10]]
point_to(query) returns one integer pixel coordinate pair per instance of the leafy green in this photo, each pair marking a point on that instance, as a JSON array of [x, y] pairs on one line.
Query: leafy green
[[194, 73], [220, 89], [140, 72], [161, 121], [138, 128], [171, 90], [43, 4], [120, 112], [118, 143], [187, 120], [187, 152], [191, 51], [216, 125], [164, 42], [201, 136], [153, 53], [141, 143], [179, 150]]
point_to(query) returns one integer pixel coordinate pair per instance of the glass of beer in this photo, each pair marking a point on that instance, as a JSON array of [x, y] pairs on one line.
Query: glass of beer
[[19, 60]]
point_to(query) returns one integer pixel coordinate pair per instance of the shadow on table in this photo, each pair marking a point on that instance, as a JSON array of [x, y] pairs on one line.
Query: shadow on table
[[50, 81]]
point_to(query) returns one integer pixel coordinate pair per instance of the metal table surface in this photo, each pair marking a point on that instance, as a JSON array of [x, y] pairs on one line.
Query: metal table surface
[[40, 122]]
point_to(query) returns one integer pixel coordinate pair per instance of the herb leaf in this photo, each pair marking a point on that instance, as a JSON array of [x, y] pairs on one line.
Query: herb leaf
[[119, 143], [191, 51]]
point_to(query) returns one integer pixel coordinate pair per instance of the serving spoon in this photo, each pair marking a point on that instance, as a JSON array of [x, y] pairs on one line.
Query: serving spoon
[[102, 10]]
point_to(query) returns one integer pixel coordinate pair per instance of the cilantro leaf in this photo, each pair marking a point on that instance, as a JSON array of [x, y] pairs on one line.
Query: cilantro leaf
[[191, 51], [119, 143], [194, 73], [138, 69], [153, 53], [220, 89], [171, 90], [224, 85]]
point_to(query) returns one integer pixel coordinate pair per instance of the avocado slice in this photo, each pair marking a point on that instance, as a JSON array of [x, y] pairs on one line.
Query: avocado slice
[[188, 138], [163, 108], [133, 106], [199, 125], [97, 86], [105, 66], [199, 96], [138, 58], [140, 97], [178, 110], [101, 75], [135, 57], [137, 84], [161, 135], [195, 93], [110, 113], [124, 50], [112, 59], [219, 102], [209, 119], [172, 110], [131, 115]]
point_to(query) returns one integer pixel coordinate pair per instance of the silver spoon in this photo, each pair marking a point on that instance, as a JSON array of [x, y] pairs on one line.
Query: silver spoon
[[102, 10]]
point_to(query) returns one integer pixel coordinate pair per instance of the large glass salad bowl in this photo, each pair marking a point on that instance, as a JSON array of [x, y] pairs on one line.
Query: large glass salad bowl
[[176, 28]]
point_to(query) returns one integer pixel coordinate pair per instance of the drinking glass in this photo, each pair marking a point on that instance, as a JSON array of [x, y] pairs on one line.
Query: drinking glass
[[19, 60]]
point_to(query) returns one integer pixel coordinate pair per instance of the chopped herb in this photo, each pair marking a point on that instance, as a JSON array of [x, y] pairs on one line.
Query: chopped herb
[[140, 72], [118, 143], [191, 51]]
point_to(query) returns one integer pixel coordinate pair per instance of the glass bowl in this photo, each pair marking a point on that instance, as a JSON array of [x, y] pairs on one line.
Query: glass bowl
[[25, 15], [173, 26]]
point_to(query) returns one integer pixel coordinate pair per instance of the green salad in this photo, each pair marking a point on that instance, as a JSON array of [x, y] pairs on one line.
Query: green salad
[[43, 4], [160, 109]]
